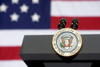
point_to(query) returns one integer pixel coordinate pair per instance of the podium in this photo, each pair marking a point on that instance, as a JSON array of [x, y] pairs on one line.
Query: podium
[[36, 50]]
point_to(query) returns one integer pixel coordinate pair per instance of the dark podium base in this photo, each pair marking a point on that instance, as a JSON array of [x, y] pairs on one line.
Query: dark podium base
[[38, 51], [61, 64]]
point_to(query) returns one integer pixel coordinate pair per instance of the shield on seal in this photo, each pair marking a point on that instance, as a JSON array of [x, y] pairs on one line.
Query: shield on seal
[[66, 41]]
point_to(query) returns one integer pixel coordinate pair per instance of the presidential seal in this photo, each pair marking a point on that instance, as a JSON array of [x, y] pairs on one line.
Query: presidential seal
[[67, 42]]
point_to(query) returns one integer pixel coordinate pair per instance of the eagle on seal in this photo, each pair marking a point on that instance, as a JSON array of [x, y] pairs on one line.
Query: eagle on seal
[[66, 41]]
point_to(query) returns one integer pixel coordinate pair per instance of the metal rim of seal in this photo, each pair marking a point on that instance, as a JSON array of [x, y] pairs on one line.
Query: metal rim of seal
[[66, 53]]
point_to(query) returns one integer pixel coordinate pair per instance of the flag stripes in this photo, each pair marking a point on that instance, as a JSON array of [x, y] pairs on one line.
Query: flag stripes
[[12, 63], [10, 53], [75, 8], [85, 23], [14, 38]]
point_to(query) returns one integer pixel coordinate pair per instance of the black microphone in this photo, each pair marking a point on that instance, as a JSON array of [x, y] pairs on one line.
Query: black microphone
[[74, 24], [62, 23]]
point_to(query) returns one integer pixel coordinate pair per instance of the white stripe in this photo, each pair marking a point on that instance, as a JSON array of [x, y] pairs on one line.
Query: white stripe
[[75, 8], [15, 37], [12, 63]]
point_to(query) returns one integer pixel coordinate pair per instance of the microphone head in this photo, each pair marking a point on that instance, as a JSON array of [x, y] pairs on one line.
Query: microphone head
[[63, 21], [75, 21], [74, 26], [60, 26]]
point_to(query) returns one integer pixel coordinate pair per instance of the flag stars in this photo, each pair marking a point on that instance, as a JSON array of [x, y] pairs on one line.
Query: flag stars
[[15, 1], [24, 8], [35, 1], [3, 8], [14, 17], [35, 17]]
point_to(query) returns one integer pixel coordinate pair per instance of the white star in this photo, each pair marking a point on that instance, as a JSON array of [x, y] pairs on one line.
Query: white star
[[14, 17], [3, 8], [15, 1], [35, 17], [24, 8], [35, 1]]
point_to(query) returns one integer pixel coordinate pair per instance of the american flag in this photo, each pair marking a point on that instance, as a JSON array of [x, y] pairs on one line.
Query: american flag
[[41, 17]]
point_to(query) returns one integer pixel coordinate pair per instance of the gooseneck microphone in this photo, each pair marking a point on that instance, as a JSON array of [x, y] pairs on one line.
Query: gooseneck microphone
[[62, 23], [74, 24]]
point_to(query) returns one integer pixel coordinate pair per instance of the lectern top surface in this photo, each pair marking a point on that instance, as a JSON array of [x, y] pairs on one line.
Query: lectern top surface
[[43, 44]]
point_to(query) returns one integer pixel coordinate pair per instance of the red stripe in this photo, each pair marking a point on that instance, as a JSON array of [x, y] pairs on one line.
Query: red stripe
[[9, 53], [85, 23]]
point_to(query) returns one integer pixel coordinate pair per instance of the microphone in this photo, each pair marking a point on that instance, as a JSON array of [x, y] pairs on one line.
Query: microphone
[[62, 23], [74, 24]]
